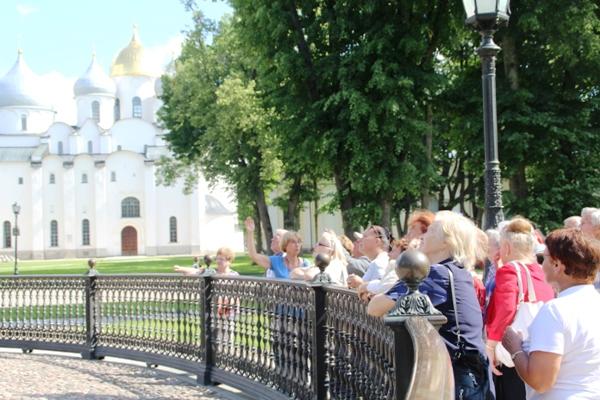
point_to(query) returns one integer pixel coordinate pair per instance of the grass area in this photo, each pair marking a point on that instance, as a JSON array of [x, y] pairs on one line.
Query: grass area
[[119, 265]]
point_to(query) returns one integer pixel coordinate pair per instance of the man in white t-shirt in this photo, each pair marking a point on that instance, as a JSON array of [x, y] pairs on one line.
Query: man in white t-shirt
[[375, 245]]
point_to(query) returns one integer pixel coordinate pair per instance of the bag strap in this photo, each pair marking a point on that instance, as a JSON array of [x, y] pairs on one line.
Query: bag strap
[[453, 294], [521, 297], [530, 289]]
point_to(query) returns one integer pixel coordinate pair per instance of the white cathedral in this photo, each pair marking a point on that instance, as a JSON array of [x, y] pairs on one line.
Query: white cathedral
[[90, 190]]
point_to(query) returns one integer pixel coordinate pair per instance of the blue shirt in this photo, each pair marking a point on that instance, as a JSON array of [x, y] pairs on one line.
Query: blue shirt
[[437, 287], [280, 270]]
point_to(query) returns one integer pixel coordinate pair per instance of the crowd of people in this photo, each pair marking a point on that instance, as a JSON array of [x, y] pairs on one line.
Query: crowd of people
[[556, 357]]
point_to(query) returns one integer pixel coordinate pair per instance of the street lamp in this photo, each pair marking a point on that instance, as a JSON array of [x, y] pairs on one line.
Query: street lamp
[[16, 210], [486, 16]]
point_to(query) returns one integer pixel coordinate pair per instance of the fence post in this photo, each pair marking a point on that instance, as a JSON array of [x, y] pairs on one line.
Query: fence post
[[91, 333], [318, 362], [412, 268], [205, 376]]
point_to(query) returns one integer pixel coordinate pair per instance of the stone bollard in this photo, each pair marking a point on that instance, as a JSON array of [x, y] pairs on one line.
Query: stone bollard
[[412, 268]]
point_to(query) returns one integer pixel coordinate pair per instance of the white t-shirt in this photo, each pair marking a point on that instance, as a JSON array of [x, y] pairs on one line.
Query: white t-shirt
[[570, 326], [389, 279], [377, 267]]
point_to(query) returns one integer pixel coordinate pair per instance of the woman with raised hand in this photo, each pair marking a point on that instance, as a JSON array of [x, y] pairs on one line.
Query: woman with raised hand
[[450, 244], [561, 357], [331, 246], [517, 252], [282, 264]]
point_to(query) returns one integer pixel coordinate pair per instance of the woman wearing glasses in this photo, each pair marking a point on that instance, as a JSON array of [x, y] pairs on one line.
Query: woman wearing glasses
[[280, 265], [331, 246]]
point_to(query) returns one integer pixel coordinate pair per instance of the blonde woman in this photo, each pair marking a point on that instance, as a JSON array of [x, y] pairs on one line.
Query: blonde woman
[[517, 247], [330, 245], [450, 243], [224, 258]]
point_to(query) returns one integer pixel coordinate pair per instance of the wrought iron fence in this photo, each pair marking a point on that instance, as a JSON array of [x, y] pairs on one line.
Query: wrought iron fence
[[272, 338]]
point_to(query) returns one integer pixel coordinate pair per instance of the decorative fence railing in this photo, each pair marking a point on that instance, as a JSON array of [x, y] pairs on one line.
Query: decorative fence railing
[[275, 339]]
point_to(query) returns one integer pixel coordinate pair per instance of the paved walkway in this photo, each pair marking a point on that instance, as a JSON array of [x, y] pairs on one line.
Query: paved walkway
[[53, 377]]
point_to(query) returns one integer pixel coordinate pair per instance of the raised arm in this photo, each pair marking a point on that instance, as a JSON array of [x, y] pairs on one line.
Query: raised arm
[[260, 259]]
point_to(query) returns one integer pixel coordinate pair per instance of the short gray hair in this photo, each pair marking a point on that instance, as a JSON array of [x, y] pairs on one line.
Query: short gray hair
[[595, 218]]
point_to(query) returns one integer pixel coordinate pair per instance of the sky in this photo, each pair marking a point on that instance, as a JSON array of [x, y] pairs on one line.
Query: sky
[[58, 37]]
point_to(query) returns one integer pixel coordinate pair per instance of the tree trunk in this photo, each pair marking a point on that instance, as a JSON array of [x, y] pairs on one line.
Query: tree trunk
[[425, 195], [386, 213], [291, 213], [345, 204], [258, 231], [518, 183], [263, 213]]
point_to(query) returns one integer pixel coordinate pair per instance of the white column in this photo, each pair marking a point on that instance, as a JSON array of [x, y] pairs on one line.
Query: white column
[[194, 222], [100, 230], [67, 228], [38, 229], [150, 217]]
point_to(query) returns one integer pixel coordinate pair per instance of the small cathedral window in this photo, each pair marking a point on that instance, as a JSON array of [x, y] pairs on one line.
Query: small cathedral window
[[173, 229], [84, 178], [117, 110], [136, 104], [113, 176], [53, 233], [60, 147], [90, 147], [7, 239], [20, 180], [130, 208], [52, 179], [23, 122], [96, 111], [85, 232]]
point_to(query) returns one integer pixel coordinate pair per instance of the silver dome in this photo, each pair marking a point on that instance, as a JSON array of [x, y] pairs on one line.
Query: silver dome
[[20, 87], [94, 81]]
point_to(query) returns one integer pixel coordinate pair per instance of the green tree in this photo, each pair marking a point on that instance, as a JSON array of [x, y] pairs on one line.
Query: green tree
[[216, 122]]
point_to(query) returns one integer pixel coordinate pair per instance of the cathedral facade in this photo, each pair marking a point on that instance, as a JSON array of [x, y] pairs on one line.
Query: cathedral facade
[[89, 190]]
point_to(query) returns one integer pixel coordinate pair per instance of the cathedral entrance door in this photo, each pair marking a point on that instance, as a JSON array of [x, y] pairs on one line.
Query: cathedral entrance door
[[129, 241]]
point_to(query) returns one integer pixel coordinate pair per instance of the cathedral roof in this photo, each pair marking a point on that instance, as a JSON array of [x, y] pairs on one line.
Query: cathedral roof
[[20, 86], [132, 60], [94, 81]]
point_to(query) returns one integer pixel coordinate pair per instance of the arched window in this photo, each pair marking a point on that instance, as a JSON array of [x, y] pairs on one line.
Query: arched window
[[130, 208], [90, 147], [7, 235], [23, 122], [60, 147], [53, 233], [84, 178], [119, 148], [113, 176], [52, 179], [173, 229], [117, 110], [136, 105], [96, 111], [85, 232]]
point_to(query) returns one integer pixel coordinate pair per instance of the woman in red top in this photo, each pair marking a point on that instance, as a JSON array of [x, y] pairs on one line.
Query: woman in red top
[[517, 245]]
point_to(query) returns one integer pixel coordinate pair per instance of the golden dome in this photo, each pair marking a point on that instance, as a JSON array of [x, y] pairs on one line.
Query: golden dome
[[131, 61]]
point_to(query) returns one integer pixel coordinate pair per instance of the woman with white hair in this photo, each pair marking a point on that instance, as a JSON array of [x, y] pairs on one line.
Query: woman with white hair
[[330, 245], [450, 243], [517, 252]]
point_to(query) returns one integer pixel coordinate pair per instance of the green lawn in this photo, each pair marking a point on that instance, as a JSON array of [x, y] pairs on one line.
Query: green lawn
[[121, 265]]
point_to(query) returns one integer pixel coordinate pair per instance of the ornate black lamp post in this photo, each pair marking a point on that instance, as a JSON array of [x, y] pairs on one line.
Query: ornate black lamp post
[[486, 16], [16, 210]]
